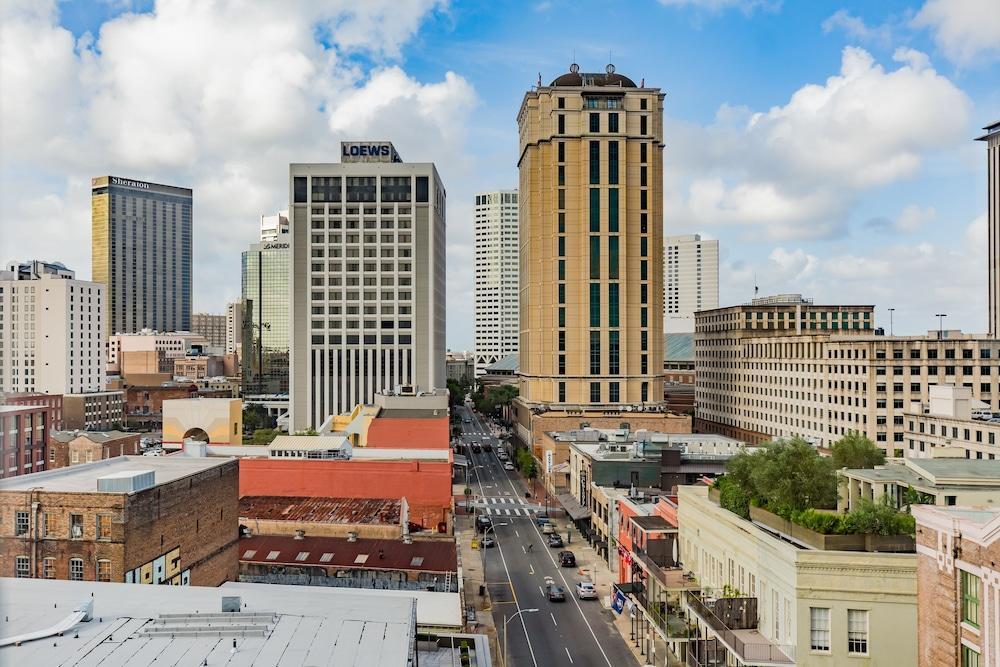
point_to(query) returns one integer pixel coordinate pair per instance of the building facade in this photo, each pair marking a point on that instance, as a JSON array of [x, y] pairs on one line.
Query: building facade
[[272, 227], [173, 344], [26, 425], [497, 284], [234, 328], [368, 280], [51, 330], [691, 280], [132, 519], [141, 250], [591, 235], [212, 327], [70, 448], [992, 140], [265, 327], [958, 585], [94, 411]]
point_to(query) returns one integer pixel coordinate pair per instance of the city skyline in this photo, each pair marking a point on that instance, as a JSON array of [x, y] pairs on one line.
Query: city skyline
[[858, 209]]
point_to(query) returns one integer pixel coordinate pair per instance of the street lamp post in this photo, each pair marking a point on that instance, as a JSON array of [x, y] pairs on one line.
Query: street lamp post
[[505, 622]]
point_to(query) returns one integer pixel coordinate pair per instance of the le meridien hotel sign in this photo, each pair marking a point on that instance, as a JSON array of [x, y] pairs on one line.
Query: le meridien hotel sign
[[368, 151]]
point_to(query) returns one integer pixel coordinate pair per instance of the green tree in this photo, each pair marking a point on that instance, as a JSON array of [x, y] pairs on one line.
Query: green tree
[[308, 431], [785, 476], [264, 436], [856, 451], [877, 518], [256, 417]]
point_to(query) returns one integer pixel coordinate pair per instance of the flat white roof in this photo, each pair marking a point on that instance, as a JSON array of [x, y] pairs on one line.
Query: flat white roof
[[307, 442], [310, 625], [378, 453], [84, 477]]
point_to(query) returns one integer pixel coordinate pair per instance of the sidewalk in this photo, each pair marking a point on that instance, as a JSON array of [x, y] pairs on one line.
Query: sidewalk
[[472, 578], [652, 651]]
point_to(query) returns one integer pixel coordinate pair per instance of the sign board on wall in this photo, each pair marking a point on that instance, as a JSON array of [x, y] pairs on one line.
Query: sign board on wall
[[368, 151]]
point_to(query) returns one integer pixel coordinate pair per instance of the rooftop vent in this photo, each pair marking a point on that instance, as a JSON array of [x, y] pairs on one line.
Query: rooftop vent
[[352, 536], [127, 481]]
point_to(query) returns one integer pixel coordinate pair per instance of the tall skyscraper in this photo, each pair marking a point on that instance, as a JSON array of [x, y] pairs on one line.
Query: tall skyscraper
[[368, 280], [51, 330], [141, 249], [591, 215], [992, 139], [211, 326], [497, 285], [234, 328], [264, 316], [691, 277]]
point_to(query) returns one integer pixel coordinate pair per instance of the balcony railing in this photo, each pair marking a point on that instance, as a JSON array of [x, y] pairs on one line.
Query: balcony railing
[[666, 616], [738, 612]]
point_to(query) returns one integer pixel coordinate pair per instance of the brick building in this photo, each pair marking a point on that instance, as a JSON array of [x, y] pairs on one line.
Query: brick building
[[128, 519], [68, 448], [144, 403], [958, 585], [95, 410], [26, 425]]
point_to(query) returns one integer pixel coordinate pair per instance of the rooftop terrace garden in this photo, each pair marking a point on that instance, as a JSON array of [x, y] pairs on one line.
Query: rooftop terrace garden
[[791, 479]]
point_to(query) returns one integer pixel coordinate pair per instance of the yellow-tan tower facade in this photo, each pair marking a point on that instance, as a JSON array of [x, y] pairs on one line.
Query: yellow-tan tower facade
[[591, 234]]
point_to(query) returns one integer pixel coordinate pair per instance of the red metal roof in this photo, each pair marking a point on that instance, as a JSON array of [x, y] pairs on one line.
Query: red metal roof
[[321, 510], [423, 555]]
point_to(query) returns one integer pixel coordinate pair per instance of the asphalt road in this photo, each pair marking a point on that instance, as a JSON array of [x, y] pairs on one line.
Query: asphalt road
[[575, 632]]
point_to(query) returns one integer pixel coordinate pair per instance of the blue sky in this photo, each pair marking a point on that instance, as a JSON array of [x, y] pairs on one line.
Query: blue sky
[[827, 145]]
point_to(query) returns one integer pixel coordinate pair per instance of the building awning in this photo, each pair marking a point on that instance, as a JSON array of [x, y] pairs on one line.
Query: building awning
[[460, 460], [575, 510]]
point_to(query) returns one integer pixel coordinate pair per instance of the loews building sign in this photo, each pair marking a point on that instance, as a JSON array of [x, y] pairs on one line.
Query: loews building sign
[[368, 151]]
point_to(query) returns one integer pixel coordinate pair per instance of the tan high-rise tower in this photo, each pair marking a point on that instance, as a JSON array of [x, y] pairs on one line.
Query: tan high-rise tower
[[591, 211], [992, 139]]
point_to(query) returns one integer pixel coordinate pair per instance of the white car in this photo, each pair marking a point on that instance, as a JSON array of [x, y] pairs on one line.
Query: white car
[[585, 590], [508, 466]]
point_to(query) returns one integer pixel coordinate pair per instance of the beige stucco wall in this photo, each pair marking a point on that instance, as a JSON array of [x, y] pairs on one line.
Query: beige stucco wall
[[220, 418]]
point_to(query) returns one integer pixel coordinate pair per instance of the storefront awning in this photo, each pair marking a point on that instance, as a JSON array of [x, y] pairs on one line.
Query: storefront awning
[[575, 510], [460, 460]]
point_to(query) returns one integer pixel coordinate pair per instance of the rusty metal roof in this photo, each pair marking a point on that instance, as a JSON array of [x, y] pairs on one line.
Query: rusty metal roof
[[321, 510], [437, 555]]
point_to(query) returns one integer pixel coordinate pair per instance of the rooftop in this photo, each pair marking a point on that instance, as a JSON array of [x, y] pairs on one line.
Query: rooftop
[[315, 626], [83, 477], [924, 473], [679, 347], [413, 413], [94, 436], [576, 78], [425, 555], [508, 364], [321, 510], [308, 442]]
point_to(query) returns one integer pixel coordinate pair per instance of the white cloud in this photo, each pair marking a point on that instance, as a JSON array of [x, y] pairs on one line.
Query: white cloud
[[796, 170], [216, 96], [967, 31], [856, 28], [911, 219]]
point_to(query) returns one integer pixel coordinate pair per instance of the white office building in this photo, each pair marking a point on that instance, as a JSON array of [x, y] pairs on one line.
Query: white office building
[[273, 226], [234, 328], [368, 280], [690, 279], [51, 330], [497, 282]]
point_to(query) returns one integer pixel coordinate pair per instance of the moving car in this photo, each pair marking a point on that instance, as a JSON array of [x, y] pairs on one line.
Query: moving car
[[483, 522], [585, 590], [567, 559], [555, 541], [488, 542], [508, 466], [477, 448], [557, 594]]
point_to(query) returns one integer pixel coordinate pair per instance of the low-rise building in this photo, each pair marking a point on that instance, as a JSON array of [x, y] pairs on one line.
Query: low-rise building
[[69, 448], [94, 410], [944, 426], [26, 425], [460, 366], [132, 519], [144, 403], [75, 622], [199, 366], [958, 589], [212, 420], [945, 481], [374, 518], [765, 600], [351, 562]]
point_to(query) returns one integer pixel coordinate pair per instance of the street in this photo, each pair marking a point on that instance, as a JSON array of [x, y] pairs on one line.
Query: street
[[574, 632]]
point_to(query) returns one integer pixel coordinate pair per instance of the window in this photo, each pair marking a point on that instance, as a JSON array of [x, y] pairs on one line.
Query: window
[[595, 304], [561, 102], [20, 523], [613, 365], [562, 392], [595, 122], [595, 392], [76, 526], [970, 657], [613, 210], [642, 153], [49, 568], [595, 210], [325, 189], [613, 392], [819, 628], [971, 591], [103, 527], [76, 569], [49, 523], [104, 570], [613, 162], [595, 352], [21, 567], [561, 124], [561, 151], [562, 269], [423, 190], [562, 317], [562, 246], [595, 162], [301, 188], [857, 631], [612, 122], [642, 124], [613, 305], [595, 257]]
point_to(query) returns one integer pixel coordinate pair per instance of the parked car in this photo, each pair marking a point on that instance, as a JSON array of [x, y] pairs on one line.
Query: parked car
[[567, 559], [488, 542], [585, 590], [541, 518], [557, 594], [508, 466], [555, 541], [548, 528], [483, 522]]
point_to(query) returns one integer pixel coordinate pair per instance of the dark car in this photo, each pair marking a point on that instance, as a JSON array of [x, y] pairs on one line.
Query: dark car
[[557, 594], [477, 449], [567, 559], [541, 518], [487, 446], [555, 541], [483, 522]]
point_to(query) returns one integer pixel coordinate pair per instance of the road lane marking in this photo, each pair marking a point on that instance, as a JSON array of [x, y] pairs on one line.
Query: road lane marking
[[541, 591], [554, 622], [517, 533], [531, 568], [568, 655], [524, 549]]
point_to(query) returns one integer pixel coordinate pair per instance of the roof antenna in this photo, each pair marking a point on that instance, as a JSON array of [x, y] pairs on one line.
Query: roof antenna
[[756, 287], [539, 79]]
